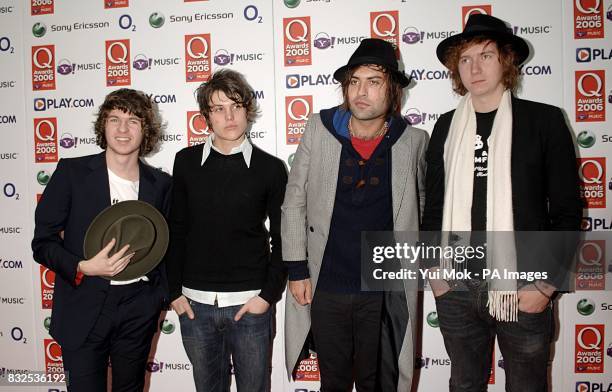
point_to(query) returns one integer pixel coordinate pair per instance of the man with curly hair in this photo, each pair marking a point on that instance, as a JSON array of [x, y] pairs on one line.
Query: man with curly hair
[[95, 319], [498, 165], [225, 269]]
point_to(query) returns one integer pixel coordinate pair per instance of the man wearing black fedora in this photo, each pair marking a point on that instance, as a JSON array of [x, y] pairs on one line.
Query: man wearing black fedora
[[100, 228], [359, 167], [498, 166]]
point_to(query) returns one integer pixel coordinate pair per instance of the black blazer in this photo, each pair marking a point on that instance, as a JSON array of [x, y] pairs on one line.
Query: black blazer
[[545, 190], [76, 193]]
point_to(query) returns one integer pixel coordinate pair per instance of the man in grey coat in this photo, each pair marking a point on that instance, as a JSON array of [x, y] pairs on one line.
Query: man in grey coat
[[359, 167]]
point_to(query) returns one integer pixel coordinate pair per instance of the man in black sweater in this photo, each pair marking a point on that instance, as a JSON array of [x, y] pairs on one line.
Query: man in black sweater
[[223, 276]]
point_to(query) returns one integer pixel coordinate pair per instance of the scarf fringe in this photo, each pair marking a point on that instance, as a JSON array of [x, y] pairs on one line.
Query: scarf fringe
[[503, 305]]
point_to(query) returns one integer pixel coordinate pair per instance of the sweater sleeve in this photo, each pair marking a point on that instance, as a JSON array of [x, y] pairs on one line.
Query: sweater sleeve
[[277, 272], [178, 223]]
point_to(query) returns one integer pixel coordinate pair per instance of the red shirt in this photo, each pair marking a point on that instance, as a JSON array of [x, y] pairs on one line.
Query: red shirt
[[365, 148]]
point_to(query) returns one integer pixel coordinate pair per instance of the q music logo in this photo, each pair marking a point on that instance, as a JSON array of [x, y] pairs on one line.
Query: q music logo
[[118, 71], [590, 96], [54, 363], [41, 7], [45, 140], [43, 67], [47, 285], [197, 58], [197, 129], [591, 265], [592, 174], [116, 3], [385, 25], [588, 19], [308, 369], [469, 10], [589, 348], [297, 41], [297, 111]]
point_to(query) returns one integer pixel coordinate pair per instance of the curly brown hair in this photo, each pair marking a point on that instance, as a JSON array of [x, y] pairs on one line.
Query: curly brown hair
[[234, 85], [507, 58], [134, 102], [394, 89]]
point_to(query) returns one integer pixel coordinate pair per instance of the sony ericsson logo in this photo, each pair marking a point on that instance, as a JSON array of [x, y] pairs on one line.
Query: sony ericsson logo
[[585, 307], [586, 139]]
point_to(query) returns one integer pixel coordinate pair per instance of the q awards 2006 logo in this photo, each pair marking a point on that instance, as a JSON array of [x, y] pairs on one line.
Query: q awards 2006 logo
[[592, 174], [47, 285], [297, 110], [385, 25], [54, 363], [591, 265], [590, 96], [589, 348], [468, 10], [197, 129], [43, 67], [588, 19], [197, 57], [41, 7], [297, 42], [45, 140], [116, 3], [308, 369], [118, 72]]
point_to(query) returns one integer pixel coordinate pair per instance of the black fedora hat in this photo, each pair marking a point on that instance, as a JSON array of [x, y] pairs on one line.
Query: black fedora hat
[[487, 26], [132, 222], [378, 52]]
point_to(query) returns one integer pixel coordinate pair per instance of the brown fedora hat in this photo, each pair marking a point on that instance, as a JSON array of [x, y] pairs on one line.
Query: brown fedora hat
[[132, 222]]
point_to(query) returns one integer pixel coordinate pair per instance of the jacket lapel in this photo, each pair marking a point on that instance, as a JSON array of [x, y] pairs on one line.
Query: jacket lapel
[[96, 182], [146, 188], [400, 164]]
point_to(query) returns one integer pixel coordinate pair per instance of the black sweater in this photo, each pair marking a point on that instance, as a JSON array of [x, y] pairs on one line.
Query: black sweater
[[218, 240]]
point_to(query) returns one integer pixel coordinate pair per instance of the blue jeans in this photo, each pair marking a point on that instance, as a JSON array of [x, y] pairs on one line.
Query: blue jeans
[[213, 336], [469, 333]]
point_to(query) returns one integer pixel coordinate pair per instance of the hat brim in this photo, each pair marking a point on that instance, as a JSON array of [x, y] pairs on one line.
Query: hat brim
[[518, 44], [399, 76], [95, 234]]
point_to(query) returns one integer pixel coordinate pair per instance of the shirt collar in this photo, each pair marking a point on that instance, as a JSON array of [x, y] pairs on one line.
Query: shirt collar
[[246, 148]]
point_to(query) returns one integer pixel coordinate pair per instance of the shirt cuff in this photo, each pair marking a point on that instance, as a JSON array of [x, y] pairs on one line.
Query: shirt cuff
[[298, 270]]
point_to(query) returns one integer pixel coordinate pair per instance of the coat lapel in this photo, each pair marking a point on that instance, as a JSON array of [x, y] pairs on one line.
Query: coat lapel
[[146, 189], [400, 164], [96, 182], [330, 164]]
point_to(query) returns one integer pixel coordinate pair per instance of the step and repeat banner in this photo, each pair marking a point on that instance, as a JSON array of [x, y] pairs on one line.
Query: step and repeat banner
[[59, 58]]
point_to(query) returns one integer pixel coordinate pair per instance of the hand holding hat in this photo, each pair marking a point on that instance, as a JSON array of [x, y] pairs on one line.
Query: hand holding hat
[[131, 224], [104, 265]]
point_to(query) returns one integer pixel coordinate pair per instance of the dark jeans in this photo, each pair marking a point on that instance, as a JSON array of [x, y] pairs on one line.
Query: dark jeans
[[213, 336], [346, 329], [123, 332], [469, 333]]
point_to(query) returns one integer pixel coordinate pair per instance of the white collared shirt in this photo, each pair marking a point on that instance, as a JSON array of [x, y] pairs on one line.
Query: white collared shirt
[[246, 148], [223, 299]]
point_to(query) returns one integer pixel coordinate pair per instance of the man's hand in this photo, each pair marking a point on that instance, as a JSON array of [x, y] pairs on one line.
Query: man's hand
[[301, 291], [181, 305], [438, 286], [102, 265], [531, 300], [255, 305]]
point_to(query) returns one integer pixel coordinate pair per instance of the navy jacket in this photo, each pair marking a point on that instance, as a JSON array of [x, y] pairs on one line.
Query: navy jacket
[[77, 192]]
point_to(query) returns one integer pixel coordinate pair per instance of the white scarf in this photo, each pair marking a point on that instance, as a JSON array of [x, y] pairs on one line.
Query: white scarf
[[459, 182]]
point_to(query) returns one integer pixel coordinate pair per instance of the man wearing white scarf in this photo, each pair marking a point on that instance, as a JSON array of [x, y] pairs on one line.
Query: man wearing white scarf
[[497, 164]]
